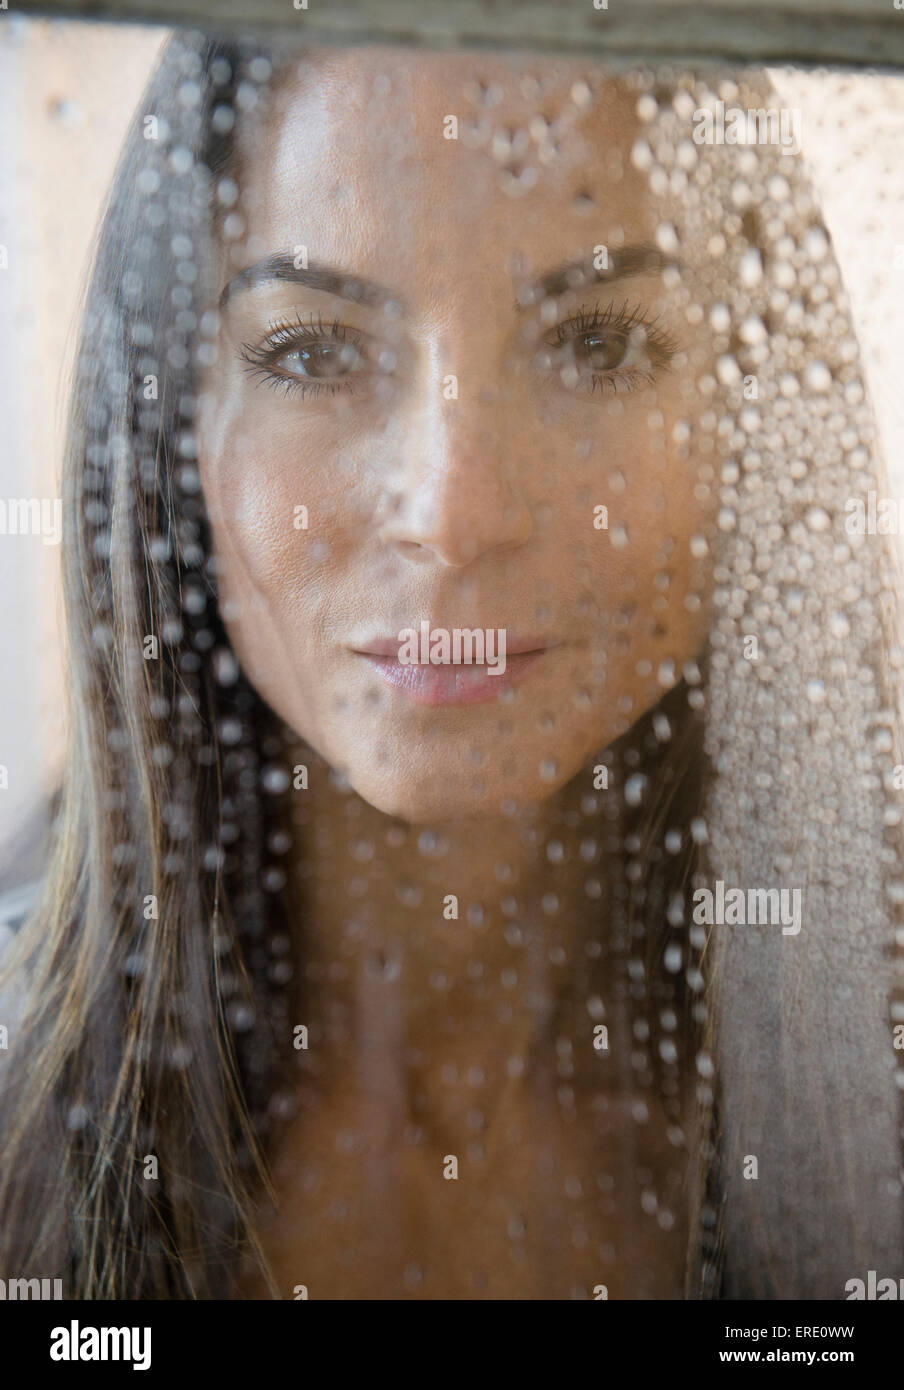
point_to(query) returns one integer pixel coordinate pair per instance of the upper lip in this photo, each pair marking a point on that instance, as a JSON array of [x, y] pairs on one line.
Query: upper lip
[[514, 646]]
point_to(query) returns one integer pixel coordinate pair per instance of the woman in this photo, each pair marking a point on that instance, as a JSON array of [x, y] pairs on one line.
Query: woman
[[461, 615]]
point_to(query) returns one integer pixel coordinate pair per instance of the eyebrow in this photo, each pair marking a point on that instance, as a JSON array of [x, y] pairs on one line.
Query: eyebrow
[[640, 259], [282, 267]]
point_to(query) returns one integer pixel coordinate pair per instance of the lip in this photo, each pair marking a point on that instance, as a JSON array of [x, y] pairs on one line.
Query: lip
[[448, 684]]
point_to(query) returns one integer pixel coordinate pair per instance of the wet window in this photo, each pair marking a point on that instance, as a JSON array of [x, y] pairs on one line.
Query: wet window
[[450, 760]]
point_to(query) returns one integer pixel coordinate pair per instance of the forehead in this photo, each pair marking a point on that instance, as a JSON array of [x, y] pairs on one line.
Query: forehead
[[395, 157]]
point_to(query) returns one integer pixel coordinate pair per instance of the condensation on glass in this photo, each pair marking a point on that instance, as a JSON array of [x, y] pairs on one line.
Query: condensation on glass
[[474, 870]]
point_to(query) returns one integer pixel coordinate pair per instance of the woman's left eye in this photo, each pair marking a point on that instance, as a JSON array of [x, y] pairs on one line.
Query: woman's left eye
[[601, 352], [611, 349]]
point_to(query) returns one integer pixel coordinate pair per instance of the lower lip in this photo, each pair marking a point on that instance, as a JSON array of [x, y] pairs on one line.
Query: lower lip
[[453, 685]]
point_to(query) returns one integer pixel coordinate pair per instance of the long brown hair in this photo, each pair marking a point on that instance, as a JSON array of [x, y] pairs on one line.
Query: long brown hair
[[146, 955]]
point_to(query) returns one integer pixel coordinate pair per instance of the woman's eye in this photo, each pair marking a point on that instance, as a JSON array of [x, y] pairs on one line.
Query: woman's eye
[[310, 357], [601, 352], [321, 360], [603, 358], [608, 350]]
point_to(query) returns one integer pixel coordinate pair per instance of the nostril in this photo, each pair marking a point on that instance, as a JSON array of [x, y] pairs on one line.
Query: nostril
[[411, 550]]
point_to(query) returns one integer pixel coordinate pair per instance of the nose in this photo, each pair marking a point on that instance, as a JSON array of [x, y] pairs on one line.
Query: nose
[[459, 495]]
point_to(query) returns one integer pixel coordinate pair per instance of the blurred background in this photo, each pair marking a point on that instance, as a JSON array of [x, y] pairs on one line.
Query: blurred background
[[68, 90]]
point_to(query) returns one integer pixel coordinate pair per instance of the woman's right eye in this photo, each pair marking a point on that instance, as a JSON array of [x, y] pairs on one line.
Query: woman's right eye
[[308, 355], [322, 360]]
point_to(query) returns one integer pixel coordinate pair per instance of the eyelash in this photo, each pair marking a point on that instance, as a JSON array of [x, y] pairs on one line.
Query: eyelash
[[284, 336], [661, 345]]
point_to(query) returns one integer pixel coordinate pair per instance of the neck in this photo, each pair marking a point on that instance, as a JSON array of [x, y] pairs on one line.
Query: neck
[[433, 953]]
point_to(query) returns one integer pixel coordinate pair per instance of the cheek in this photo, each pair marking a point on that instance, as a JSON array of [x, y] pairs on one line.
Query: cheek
[[280, 503], [646, 562]]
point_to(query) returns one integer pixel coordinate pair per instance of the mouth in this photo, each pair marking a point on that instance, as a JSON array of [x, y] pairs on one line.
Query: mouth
[[445, 683]]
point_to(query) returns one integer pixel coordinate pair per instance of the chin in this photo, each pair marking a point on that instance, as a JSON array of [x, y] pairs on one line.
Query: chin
[[447, 794]]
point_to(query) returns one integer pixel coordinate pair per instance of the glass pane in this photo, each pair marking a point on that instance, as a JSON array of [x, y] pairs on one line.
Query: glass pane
[[450, 747]]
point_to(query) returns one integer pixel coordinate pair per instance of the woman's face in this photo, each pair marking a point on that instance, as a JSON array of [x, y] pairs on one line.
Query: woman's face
[[427, 387]]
